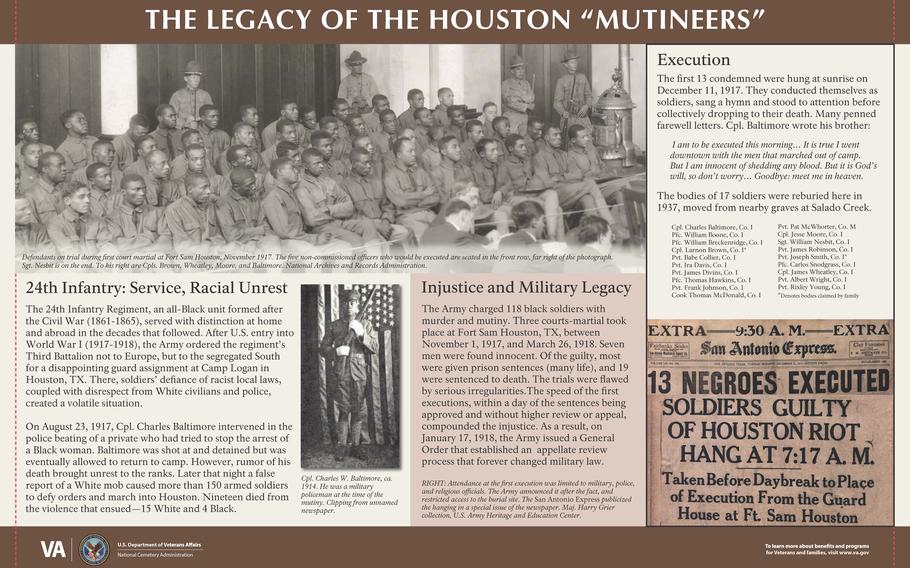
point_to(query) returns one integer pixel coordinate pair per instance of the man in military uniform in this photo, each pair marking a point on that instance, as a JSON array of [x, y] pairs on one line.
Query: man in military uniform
[[189, 100], [76, 230], [215, 140], [415, 101], [288, 111], [517, 96], [134, 224], [410, 189], [441, 112], [125, 144], [573, 97], [166, 135], [347, 346], [27, 133], [380, 103], [76, 149], [43, 197], [190, 221], [358, 88]]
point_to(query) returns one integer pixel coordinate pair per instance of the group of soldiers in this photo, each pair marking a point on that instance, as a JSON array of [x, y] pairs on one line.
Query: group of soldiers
[[361, 178]]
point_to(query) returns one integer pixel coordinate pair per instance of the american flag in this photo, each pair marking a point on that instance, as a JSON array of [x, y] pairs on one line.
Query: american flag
[[382, 396]]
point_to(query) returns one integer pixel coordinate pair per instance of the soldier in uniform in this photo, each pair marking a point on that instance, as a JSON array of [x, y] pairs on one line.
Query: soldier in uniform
[[215, 140], [490, 111], [190, 220], [76, 230], [76, 149], [441, 112], [370, 201], [380, 103], [573, 97], [125, 144], [249, 115], [240, 216], [288, 111], [517, 96], [410, 188], [415, 101], [166, 135], [135, 225], [347, 345], [43, 196], [190, 99], [452, 168], [358, 88], [27, 133]]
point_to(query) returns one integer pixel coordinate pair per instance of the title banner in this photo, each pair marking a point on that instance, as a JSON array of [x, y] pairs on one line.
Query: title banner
[[472, 21]]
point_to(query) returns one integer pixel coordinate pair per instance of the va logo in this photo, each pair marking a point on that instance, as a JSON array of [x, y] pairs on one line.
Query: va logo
[[53, 549], [94, 550]]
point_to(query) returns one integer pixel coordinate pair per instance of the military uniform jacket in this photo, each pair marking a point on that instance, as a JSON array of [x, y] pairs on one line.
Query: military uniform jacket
[[76, 152], [73, 233], [491, 178], [516, 96], [190, 224], [369, 197], [187, 104], [447, 175], [335, 335], [240, 218], [404, 187], [322, 200], [134, 229], [582, 97]]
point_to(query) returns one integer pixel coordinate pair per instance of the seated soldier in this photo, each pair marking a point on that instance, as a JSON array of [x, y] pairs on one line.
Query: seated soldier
[[285, 131], [190, 220], [528, 218], [370, 201], [76, 149], [285, 216], [287, 110], [341, 111], [457, 123], [424, 119], [125, 144], [75, 230], [451, 169], [249, 115], [431, 156], [340, 145], [28, 164], [196, 162], [145, 145], [215, 140], [387, 134], [310, 123], [43, 196], [473, 134], [159, 171], [135, 225], [415, 101], [490, 111], [31, 236], [410, 189], [326, 207], [179, 165], [166, 135], [287, 150], [324, 142], [101, 197], [27, 133], [584, 159], [526, 185], [441, 112], [389, 159], [366, 143], [502, 128], [356, 127], [102, 152], [492, 177], [534, 137], [551, 165], [372, 119], [244, 135], [240, 216]]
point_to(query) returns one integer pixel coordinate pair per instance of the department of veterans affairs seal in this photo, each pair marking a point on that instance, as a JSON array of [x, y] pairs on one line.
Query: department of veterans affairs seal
[[94, 550]]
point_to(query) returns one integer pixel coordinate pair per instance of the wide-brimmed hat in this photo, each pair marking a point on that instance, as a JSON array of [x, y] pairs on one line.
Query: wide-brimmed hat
[[516, 61], [355, 58], [193, 68], [569, 56]]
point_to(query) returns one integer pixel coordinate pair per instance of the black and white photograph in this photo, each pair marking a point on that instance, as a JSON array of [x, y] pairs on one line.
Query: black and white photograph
[[350, 376], [246, 156]]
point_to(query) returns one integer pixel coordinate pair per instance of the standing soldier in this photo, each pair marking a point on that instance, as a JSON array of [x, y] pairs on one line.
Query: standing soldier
[[517, 96], [189, 100], [573, 97], [358, 88], [346, 346]]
